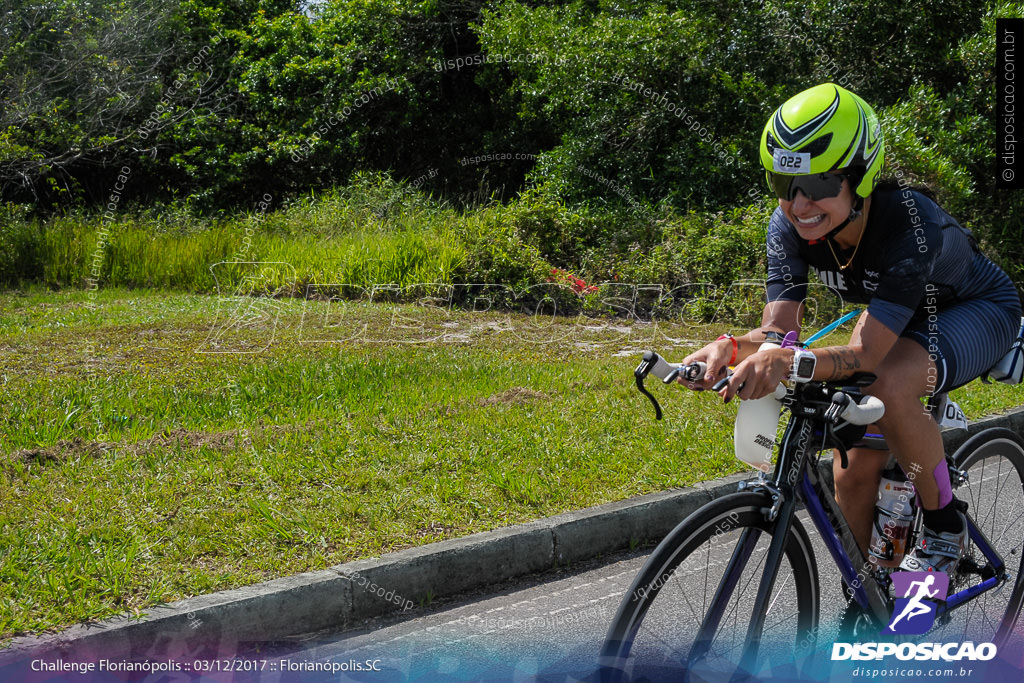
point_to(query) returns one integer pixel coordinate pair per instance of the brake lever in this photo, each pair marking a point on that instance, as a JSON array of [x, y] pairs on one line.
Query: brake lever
[[640, 373], [643, 390], [839, 402], [720, 384], [844, 460]]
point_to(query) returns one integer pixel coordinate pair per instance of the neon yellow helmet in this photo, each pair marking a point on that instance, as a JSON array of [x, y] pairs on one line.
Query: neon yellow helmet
[[823, 129]]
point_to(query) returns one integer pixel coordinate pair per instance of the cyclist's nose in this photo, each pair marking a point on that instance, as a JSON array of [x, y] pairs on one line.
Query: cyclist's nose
[[800, 201]]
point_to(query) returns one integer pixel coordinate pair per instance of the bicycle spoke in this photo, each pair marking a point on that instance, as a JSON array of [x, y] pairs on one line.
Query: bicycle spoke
[[668, 623], [773, 600], [1010, 520], [1000, 483], [731, 616], [707, 573], [994, 462]]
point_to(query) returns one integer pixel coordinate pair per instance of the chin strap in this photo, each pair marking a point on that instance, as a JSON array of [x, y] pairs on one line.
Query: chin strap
[[855, 212]]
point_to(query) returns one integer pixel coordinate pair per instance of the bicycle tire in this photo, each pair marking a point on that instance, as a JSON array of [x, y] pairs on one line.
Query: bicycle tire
[[651, 639], [994, 462]]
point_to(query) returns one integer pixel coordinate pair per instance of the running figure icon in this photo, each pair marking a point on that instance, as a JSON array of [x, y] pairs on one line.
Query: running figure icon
[[914, 606], [920, 591]]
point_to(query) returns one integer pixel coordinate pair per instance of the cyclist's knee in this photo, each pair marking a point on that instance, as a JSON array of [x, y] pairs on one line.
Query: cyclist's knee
[[900, 403], [903, 377], [864, 471], [892, 390]]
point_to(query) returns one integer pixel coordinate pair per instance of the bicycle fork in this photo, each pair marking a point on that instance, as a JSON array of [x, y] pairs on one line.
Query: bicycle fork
[[783, 507], [762, 602]]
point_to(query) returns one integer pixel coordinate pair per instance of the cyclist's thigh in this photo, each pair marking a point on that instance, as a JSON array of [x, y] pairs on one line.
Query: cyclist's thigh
[[906, 374], [966, 339]]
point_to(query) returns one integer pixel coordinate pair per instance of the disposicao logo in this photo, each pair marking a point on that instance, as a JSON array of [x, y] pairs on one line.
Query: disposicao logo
[[917, 597], [922, 652]]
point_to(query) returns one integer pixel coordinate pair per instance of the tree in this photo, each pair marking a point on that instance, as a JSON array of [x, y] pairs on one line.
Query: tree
[[87, 85]]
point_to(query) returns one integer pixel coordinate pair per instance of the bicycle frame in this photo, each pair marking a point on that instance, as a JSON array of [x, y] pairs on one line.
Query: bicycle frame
[[797, 479], [812, 494]]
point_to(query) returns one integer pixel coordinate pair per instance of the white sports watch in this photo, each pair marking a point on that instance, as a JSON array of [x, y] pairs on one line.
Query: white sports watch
[[803, 366]]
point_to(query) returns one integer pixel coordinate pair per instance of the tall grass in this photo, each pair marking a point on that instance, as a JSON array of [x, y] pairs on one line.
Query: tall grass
[[384, 237], [334, 238], [373, 231]]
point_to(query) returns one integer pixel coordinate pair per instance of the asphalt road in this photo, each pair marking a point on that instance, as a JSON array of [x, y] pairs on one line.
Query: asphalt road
[[555, 626], [549, 628]]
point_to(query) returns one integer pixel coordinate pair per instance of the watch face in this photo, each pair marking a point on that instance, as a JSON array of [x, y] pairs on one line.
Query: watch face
[[805, 368]]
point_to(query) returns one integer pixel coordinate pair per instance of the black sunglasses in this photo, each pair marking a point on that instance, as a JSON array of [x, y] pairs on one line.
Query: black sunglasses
[[814, 187]]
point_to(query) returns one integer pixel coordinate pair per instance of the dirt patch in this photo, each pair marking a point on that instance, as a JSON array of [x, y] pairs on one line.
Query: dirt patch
[[216, 440], [62, 451], [515, 396], [73, 449], [435, 529], [78, 447]]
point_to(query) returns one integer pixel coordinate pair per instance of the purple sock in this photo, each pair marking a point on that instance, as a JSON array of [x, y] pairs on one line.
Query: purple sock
[[942, 481]]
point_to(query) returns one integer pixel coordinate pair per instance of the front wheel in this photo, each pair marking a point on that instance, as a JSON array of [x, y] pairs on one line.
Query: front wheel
[[683, 620]]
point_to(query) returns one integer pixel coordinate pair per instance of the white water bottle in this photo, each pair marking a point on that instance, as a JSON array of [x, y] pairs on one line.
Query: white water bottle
[[894, 515], [757, 421]]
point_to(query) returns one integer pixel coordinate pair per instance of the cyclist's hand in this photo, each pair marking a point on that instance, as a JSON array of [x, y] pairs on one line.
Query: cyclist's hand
[[716, 356], [758, 375]]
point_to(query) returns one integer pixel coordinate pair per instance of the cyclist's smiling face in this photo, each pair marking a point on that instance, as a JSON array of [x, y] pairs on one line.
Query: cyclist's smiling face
[[814, 219]]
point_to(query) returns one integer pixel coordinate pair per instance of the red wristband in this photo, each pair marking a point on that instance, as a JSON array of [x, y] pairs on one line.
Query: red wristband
[[735, 346]]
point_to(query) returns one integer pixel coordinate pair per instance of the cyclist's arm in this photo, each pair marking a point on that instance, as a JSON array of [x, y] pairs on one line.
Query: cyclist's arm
[[778, 316], [760, 373], [869, 345]]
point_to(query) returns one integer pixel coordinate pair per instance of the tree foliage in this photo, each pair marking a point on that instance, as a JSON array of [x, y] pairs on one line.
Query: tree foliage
[[73, 74], [623, 104]]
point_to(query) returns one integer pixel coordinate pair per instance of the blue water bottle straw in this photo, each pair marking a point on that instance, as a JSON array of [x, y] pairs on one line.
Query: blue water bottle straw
[[831, 326]]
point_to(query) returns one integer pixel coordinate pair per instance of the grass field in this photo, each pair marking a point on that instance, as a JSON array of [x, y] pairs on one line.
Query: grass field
[[157, 446]]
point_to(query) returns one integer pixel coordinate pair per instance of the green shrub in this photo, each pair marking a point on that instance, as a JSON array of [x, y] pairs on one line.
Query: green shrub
[[497, 253], [22, 247]]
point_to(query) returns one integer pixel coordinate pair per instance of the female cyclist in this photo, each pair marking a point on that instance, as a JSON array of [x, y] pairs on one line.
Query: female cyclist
[[939, 313]]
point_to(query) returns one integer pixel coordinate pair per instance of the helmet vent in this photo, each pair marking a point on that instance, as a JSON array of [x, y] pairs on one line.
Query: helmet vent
[[819, 146]]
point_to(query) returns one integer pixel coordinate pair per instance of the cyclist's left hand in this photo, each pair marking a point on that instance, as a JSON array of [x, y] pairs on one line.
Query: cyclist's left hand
[[759, 374]]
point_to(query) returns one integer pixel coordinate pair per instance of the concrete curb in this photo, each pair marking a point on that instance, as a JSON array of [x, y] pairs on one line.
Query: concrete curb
[[341, 595]]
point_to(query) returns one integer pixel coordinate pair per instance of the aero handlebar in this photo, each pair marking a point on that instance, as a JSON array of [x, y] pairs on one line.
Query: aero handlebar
[[869, 410]]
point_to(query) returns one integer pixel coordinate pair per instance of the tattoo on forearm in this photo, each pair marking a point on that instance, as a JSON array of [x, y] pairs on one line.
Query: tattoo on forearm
[[844, 362]]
